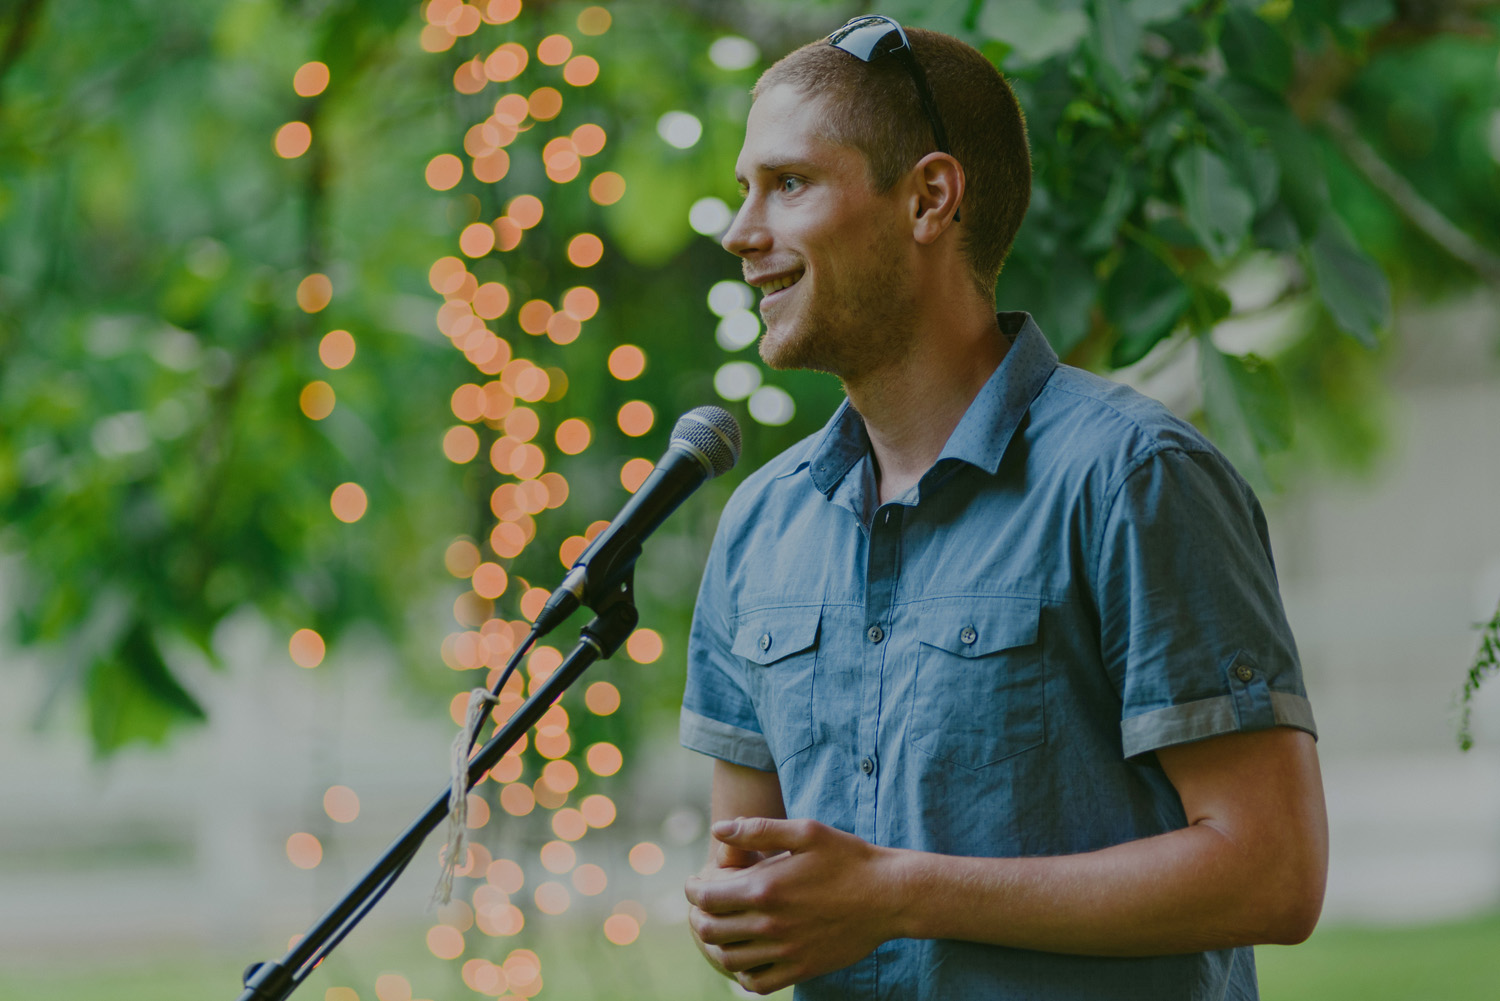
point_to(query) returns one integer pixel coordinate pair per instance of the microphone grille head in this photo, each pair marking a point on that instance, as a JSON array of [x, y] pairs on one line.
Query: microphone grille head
[[712, 434]]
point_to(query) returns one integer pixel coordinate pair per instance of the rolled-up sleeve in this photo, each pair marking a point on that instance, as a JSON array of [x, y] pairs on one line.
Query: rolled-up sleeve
[[718, 718], [1192, 629]]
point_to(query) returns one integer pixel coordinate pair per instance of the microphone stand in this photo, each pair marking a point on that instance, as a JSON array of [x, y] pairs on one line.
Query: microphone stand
[[615, 619]]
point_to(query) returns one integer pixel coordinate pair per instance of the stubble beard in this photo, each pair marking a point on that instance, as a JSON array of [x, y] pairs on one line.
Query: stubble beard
[[853, 332]]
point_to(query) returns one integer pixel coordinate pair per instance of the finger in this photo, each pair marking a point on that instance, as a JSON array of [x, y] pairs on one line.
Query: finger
[[764, 835], [718, 896], [766, 979], [731, 857], [724, 929], [749, 957]]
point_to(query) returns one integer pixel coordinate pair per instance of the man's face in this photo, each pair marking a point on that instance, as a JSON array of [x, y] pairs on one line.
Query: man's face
[[827, 252]]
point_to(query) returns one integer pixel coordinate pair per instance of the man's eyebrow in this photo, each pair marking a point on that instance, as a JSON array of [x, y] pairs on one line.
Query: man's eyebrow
[[773, 167]]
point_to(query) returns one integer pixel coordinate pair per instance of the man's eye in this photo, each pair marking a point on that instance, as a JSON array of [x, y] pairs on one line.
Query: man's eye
[[790, 183]]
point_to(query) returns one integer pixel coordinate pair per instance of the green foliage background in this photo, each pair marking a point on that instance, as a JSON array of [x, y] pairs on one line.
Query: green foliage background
[[156, 474]]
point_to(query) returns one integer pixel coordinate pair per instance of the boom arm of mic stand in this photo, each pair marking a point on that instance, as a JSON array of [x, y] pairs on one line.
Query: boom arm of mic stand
[[614, 622]]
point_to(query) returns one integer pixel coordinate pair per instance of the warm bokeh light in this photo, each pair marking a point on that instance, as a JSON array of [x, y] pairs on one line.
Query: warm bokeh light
[[590, 880], [627, 362], [554, 50], [522, 424], [392, 987], [598, 810], [457, 914], [461, 444], [545, 103], [468, 402], [446, 275], [569, 824], [561, 775], [444, 171], [621, 929], [465, 21], [307, 648], [507, 234], [524, 210], [517, 799], [644, 646], [461, 558], [563, 329], [442, 12], [581, 71], [304, 851], [491, 300], [647, 858], [505, 875], [348, 502], [506, 63], [573, 436], [585, 250], [479, 812], [607, 188], [436, 38], [509, 769], [507, 540], [636, 418], [336, 349], [552, 898], [604, 759], [558, 857], [498, 401], [314, 293], [316, 400], [349, 993], [477, 239], [602, 698], [594, 20], [490, 580], [292, 140], [445, 942], [502, 11], [634, 473], [532, 317], [512, 109], [553, 745], [341, 804], [492, 167], [311, 79], [470, 77]]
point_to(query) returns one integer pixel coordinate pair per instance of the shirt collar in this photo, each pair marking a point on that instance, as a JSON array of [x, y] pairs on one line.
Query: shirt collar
[[985, 430]]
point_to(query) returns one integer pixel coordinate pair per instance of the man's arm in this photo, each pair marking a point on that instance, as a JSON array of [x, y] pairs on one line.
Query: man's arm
[[1249, 868], [737, 792]]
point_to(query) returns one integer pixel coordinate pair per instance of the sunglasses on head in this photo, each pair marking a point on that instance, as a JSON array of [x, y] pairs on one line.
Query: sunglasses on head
[[871, 36]]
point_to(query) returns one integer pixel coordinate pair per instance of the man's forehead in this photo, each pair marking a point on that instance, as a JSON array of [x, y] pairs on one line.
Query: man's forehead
[[786, 126]]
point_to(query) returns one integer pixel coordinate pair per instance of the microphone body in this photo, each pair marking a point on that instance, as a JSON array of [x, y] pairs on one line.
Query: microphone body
[[705, 443]]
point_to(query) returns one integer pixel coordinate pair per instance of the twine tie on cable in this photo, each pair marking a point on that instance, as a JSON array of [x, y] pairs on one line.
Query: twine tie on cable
[[458, 793]]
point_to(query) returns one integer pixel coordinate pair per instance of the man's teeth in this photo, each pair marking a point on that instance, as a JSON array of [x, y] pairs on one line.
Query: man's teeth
[[777, 284]]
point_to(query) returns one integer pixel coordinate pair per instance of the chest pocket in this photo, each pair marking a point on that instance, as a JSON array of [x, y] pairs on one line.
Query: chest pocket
[[981, 680], [780, 648]]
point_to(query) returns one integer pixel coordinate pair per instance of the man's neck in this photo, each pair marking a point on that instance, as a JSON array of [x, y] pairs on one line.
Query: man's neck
[[911, 407]]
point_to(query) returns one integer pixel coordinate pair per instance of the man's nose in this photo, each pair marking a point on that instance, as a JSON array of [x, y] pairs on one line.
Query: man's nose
[[746, 234]]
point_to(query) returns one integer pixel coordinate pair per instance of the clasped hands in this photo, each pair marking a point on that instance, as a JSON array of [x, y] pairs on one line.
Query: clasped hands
[[782, 901]]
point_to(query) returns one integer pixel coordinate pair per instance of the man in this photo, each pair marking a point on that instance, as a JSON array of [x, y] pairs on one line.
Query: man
[[1004, 638]]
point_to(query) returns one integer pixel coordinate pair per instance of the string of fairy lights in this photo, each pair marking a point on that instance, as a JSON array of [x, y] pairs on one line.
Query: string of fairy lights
[[543, 772]]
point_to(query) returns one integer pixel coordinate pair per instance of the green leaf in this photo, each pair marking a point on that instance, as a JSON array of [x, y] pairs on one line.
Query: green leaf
[[1248, 409], [1034, 31], [1118, 201], [132, 695], [1350, 284], [1152, 11], [1365, 14], [1143, 300], [1115, 39], [1255, 51], [1057, 284], [1217, 209]]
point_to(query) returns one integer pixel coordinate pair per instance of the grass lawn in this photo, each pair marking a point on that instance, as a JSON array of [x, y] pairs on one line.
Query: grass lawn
[[1459, 961]]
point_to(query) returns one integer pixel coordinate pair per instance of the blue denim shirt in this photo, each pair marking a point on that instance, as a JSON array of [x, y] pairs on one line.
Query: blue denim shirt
[[983, 665]]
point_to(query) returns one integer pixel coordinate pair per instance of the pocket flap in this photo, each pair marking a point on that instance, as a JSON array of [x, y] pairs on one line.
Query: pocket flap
[[984, 627], [768, 635]]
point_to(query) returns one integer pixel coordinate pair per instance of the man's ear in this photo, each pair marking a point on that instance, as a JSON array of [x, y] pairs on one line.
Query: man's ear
[[939, 192]]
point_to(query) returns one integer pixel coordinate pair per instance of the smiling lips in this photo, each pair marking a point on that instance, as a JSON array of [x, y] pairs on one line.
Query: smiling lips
[[771, 285]]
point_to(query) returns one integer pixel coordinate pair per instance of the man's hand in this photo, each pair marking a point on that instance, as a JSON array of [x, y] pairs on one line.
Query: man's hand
[[789, 900]]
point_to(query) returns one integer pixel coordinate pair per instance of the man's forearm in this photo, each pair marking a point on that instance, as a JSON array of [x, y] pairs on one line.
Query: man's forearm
[[1187, 891]]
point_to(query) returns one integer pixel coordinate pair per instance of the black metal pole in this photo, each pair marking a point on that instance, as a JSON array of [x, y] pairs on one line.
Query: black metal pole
[[274, 981]]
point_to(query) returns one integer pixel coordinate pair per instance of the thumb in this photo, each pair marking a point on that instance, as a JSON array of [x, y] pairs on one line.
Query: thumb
[[761, 834]]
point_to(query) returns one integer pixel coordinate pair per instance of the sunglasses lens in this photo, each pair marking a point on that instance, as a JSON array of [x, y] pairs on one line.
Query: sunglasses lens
[[862, 39]]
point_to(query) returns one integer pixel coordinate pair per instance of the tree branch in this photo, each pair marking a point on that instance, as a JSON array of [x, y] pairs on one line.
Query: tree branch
[[1416, 209]]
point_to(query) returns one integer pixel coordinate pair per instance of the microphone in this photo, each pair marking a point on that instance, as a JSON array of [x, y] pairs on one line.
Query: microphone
[[705, 442]]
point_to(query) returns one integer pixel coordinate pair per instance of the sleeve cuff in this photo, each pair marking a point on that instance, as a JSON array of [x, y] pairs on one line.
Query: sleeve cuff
[[728, 743], [1210, 718]]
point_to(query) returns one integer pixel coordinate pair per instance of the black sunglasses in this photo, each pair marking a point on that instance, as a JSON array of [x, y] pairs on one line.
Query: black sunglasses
[[868, 37]]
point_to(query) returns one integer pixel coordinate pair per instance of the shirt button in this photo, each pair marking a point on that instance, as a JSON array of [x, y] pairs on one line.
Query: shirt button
[[867, 766], [876, 634], [1244, 673], [765, 641], [967, 635]]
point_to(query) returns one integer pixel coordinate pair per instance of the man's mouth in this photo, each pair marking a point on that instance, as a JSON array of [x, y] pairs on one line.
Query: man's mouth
[[775, 285]]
